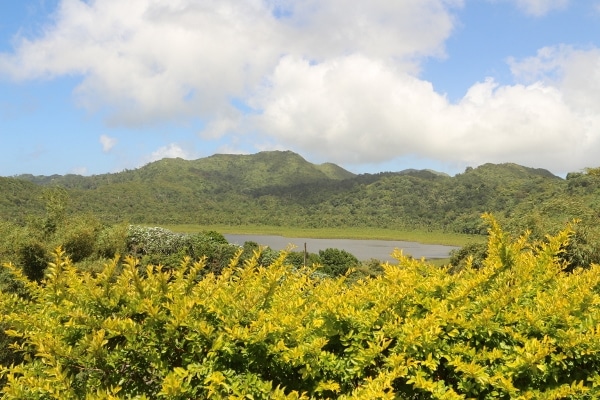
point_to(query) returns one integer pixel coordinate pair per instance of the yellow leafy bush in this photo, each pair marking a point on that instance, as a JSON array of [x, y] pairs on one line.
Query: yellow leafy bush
[[518, 327]]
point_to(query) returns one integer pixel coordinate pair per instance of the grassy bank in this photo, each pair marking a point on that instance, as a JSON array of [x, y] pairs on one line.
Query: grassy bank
[[434, 237]]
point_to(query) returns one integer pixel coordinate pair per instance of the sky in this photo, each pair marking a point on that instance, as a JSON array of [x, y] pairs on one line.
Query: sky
[[99, 86]]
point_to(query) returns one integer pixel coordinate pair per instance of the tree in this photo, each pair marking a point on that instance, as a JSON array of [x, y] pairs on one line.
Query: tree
[[55, 201]]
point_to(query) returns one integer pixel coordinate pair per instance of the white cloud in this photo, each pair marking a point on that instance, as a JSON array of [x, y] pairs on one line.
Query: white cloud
[[79, 171], [318, 30], [575, 72], [354, 109], [147, 61], [347, 108], [172, 150], [539, 8], [340, 84], [107, 143]]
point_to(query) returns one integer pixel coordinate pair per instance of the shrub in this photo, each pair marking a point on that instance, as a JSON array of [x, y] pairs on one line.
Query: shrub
[[474, 253], [112, 240], [267, 254], [214, 247], [519, 327], [214, 237], [143, 240], [296, 258], [34, 259], [336, 262], [583, 249]]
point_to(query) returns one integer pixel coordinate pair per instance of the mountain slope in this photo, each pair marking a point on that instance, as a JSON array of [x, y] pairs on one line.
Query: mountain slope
[[282, 188], [18, 199], [219, 171]]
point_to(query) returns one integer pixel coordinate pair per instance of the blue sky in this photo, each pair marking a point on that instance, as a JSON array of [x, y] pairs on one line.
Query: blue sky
[[92, 87]]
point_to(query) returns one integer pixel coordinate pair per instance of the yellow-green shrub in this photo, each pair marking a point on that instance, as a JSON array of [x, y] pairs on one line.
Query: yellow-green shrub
[[518, 327]]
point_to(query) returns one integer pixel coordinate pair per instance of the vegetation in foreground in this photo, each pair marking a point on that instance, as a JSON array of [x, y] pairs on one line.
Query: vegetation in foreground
[[518, 326]]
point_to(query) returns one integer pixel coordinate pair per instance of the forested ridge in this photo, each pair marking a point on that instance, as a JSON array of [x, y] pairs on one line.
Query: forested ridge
[[281, 188]]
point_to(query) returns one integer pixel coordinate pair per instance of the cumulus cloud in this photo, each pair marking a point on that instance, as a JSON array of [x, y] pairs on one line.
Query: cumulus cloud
[[107, 143], [576, 72], [147, 60], [404, 30], [366, 111], [172, 150], [344, 85]]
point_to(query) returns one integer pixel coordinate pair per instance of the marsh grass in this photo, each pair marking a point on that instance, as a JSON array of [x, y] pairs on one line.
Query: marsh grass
[[433, 237]]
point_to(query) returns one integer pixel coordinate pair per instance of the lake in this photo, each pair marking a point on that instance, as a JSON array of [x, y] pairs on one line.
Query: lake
[[361, 249]]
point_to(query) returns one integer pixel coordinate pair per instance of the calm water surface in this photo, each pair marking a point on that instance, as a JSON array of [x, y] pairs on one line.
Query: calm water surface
[[362, 249]]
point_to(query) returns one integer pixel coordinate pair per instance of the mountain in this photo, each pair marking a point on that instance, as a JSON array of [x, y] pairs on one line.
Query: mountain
[[282, 188], [238, 172], [208, 190]]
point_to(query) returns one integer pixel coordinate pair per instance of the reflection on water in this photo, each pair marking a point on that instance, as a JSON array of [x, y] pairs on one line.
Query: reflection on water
[[362, 249]]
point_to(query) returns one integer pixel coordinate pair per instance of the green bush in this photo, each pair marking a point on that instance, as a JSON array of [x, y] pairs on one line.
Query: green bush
[[214, 247], [475, 253], [157, 245], [336, 262], [143, 240], [583, 249], [267, 254], [214, 237], [296, 258], [80, 245], [112, 240], [33, 259]]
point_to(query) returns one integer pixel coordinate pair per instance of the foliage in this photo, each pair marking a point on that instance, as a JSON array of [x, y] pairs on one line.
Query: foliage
[[33, 259], [267, 255], [583, 249], [297, 259], [592, 171], [55, 199], [518, 327], [112, 240], [156, 245], [19, 200], [79, 237], [143, 240], [282, 189], [473, 254], [336, 262]]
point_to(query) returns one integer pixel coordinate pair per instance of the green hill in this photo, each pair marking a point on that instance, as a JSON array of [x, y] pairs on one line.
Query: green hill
[[282, 188]]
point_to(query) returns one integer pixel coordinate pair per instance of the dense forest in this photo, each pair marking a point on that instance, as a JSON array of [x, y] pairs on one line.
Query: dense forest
[[281, 188], [97, 304]]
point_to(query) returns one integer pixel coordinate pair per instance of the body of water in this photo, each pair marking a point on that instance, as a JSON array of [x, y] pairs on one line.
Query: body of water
[[361, 249]]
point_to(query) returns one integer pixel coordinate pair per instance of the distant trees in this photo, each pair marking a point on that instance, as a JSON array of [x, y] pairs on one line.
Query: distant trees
[[289, 191]]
